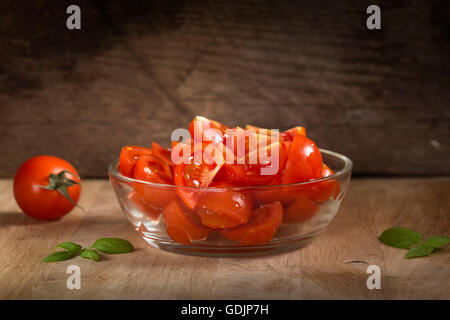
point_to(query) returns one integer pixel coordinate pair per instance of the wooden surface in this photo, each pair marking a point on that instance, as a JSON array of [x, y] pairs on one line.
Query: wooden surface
[[332, 267], [139, 69]]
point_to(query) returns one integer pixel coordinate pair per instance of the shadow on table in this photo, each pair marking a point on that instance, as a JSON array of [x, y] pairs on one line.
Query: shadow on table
[[19, 219]]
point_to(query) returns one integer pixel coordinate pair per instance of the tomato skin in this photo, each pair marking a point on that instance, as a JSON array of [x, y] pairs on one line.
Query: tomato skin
[[300, 210], [38, 202], [151, 168], [261, 227], [128, 158], [199, 125], [324, 190], [224, 208], [251, 174], [287, 136], [161, 152], [304, 161], [183, 225], [194, 174], [291, 133]]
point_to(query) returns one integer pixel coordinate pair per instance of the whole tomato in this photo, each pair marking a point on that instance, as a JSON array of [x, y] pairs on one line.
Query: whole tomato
[[46, 187]]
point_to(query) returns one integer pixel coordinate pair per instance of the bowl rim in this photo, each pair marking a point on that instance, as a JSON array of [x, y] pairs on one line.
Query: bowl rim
[[348, 165]]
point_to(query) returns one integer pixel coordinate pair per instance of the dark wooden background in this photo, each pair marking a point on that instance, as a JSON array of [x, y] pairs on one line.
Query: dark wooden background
[[139, 69]]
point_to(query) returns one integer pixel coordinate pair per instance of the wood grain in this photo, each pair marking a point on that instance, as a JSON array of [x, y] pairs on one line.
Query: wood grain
[[138, 69], [332, 267]]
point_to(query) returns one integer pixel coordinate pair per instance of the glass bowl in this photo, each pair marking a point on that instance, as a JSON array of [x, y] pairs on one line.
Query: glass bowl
[[307, 207]]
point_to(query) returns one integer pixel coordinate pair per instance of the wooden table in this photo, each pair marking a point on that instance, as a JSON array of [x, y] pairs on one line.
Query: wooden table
[[333, 267]]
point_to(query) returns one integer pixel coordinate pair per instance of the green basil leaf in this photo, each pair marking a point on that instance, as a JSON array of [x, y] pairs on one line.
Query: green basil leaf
[[90, 254], [71, 246], [59, 256], [438, 241], [419, 250], [399, 237], [113, 245]]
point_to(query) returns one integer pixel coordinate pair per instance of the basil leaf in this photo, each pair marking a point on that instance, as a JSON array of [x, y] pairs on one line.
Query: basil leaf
[[420, 250], [59, 256], [90, 254], [71, 246], [113, 245], [438, 241], [399, 237]]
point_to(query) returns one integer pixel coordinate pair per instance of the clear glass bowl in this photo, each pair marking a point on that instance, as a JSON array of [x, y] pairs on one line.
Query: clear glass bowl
[[308, 207]]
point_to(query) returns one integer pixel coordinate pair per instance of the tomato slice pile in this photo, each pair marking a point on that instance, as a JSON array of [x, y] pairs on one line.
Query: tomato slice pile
[[212, 181]]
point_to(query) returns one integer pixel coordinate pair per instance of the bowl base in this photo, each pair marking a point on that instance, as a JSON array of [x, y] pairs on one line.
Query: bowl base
[[231, 251]]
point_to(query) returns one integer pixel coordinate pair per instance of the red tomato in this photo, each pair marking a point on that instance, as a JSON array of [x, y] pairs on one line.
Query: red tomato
[[270, 194], [41, 203], [154, 169], [183, 225], [271, 135], [261, 227], [195, 174], [224, 176], [291, 133], [304, 161], [223, 208], [254, 174], [199, 125], [301, 210], [128, 158], [288, 136], [161, 152], [324, 190]]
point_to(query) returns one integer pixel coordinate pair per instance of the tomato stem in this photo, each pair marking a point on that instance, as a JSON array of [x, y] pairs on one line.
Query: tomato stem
[[60, 183]]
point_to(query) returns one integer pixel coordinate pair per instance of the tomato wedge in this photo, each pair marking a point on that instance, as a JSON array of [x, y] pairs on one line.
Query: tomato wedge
[[154, 169], [301, 210], [219, 209], [162, 152], [128, 158], [261, 227], [288, 136], [183, 225], [324, 190], [198, 172], [199, 126], [304, 161], [265, 170]]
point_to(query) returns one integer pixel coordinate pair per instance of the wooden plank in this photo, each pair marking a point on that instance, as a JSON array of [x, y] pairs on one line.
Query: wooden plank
[[332, 267], [379, 97]]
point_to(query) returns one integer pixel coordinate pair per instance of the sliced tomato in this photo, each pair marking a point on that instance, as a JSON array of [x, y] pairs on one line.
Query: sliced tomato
[[151, 212], [300, 210], [162, 152], [183, 225], [264, 171], [304, 161], [270, 194], [324, 190], [154, 169], [199, 126], [270, 134], [288, 136], [224, 176], [219, 209], [128, 158], [291, 133], [197, 172], [241, 141], [261, 227]]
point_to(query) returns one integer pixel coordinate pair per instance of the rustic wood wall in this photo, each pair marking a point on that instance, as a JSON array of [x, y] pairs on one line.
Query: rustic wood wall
[[139, 69]]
